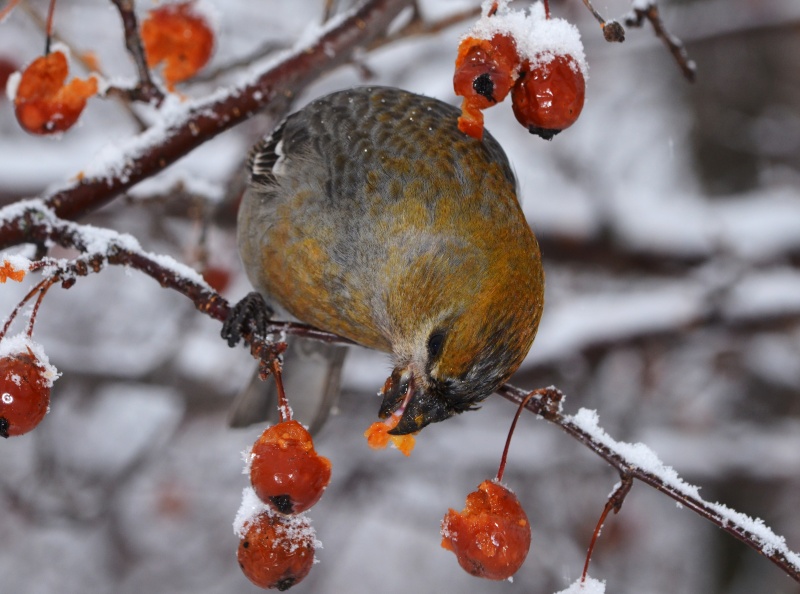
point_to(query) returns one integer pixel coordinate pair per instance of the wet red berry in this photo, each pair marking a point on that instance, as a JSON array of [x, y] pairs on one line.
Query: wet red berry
[[43, 103], [24, 393], [548, 97], [180, 37], [491, 536], [285, 469], [218, 277], [276, 551], [485, 72]]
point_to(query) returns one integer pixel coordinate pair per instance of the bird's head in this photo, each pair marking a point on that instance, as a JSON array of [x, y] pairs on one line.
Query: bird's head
[[467, 334]]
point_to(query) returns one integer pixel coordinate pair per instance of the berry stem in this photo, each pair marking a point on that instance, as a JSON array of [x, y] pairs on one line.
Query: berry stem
[[503, 459], [40, 286], [283, 404], [49, 28], [614, 502], [547, 9], [46, 284], [591, 8], [6, 10]]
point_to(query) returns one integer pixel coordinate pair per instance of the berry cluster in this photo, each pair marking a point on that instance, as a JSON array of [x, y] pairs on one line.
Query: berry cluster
[[288, 477], [176, 35], [538, 59]]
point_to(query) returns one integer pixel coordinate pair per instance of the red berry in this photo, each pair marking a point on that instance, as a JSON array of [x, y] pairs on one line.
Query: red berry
[[43, 103], [491, 536], [286, 471], [217, 277], [24, 393], [276, 551], [548, 97], [485, 72], [178, 36]]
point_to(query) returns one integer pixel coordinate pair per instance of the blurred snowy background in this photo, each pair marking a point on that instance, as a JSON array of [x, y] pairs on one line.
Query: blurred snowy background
[[669, 218]]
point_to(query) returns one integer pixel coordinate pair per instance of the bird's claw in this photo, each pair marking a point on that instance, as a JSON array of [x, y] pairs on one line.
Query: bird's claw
[[249, 317]]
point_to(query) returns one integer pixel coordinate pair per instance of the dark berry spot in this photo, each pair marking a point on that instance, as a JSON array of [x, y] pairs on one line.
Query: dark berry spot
[[283, 503], [4, 426], [484, 86], [543, 132], [246, 544], [285, 584]]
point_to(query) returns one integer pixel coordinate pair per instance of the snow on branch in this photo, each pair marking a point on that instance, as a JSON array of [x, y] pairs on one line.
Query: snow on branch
[[38, 223], [637, 461], [185, 126]]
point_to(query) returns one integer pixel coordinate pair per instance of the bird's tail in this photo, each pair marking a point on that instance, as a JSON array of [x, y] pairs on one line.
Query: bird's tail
[[311, 378]]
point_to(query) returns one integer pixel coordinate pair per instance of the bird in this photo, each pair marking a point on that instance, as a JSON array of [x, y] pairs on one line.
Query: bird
[[368, 214]]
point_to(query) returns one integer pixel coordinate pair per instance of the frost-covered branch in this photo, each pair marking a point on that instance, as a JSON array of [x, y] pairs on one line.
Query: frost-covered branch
[[640, 463], [100, 247], [192, 123]]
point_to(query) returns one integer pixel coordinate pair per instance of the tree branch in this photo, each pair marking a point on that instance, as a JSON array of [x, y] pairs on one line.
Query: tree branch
[[146, 90], [641, 463], [156, 149], [39, 224]]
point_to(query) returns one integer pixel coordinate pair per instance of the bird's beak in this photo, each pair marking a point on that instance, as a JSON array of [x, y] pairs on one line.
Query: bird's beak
[[416, 406]]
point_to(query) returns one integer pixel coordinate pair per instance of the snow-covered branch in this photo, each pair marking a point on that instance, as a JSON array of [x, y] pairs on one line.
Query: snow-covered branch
[[639, 462], [100, 247], [185, 126]]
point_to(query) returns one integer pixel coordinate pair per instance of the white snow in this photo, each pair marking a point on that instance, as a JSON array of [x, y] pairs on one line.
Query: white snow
[[250, 508], [17, 261], [641, 456], [296, 529], [22, 343], [12, 85], [590, 586], [537, 38]]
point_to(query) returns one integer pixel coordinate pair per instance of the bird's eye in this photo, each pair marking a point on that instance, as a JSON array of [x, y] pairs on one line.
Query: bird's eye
[[435, 343]]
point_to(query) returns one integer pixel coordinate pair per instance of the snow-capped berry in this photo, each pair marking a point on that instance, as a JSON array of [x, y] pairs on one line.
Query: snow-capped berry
[[276, 551], [491, 536], [179, 36], [548, 96], [43, 104], [24, 393], [285, 469]]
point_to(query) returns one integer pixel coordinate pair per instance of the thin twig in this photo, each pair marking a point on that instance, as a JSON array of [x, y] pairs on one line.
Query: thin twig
[[418, 27], [49, 26], [207, 119], [39, 224], [146, 90], [614, 502], [636, 18], [610, 451]]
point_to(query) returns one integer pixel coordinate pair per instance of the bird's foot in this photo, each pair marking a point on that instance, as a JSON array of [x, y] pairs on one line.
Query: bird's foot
[[249, 317]]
